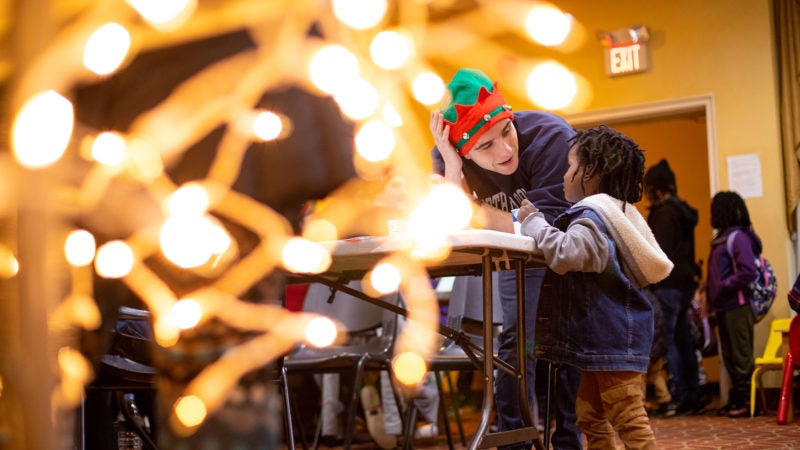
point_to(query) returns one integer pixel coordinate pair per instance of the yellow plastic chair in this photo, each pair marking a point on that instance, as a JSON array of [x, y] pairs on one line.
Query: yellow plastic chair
[[772, 359]]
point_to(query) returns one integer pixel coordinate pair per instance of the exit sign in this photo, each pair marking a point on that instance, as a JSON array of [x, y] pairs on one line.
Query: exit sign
[[622, 59]]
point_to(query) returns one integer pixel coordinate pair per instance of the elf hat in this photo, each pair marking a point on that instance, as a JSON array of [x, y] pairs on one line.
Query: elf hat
[[475, 106]]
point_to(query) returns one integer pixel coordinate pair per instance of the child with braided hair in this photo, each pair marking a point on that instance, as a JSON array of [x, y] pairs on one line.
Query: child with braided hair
[[592, 314]]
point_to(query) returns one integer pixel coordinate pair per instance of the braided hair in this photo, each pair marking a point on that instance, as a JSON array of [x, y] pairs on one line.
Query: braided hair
[[616, 158], [729, 210]]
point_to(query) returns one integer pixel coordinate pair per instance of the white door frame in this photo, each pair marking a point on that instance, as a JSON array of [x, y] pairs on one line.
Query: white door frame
[[700, 104]]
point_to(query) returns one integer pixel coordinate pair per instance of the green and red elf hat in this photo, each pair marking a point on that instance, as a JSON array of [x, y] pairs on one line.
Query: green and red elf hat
[[475, 106]]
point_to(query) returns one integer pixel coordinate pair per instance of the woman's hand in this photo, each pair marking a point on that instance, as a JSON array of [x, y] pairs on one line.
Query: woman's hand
[[525, 209], [441, 133]]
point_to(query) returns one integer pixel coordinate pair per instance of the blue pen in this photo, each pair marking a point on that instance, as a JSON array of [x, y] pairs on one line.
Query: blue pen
[[514, 214]]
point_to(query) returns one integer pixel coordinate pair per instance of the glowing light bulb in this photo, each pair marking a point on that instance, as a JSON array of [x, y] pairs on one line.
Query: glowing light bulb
[[359, 14], [190, 410], [79, 248], [547, 25], [185, 313], [358, 99], [267, 125], [165, 332], [109, 148], [114, 260], [42, 130], [445, 209], [303, 256], [428, 88], [189, 199], [331, 67], [189, 240], [390, 49], [410, 368], [320, 332], [551, 85], [164, 14], [375, 141], [385, 278], [106, 48]]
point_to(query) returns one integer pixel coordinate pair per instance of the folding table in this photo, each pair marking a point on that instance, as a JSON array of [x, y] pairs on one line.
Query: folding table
[[474, 252]]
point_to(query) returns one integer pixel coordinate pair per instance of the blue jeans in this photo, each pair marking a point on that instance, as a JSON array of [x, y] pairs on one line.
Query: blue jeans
[[681, 358], [567, 435]]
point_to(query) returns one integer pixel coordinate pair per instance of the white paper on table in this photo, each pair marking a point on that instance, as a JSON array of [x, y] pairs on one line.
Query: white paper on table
[[744, 175]]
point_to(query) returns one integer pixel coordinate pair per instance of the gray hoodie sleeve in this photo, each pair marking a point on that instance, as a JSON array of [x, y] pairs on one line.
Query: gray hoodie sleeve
[[581, 248]]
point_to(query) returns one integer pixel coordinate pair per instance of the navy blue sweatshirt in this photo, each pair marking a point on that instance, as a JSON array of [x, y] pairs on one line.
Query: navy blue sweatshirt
[[543, 150]]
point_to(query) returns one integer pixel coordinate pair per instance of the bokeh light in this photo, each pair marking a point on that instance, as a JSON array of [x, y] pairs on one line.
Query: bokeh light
[[109, 148], [303, 256], [375, 141], [106, 48], [190, 410], [190, 240], [185, 313], [79, 248], [548, 25], [114, 260], [267, 125], [164, 14], [445, 209], [189, 199], [409, 368], [357, 98], [320, 332], [428, 88], [551, 86], [332, 67], [42, 130], [359, 14], [385, 278], [165, 332], [390, 49]]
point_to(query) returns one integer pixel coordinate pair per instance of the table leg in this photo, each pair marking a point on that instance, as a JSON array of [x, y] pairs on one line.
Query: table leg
[[529, 432]]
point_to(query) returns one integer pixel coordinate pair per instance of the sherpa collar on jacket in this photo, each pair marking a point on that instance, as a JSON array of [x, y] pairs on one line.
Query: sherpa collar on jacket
[[641, 257]]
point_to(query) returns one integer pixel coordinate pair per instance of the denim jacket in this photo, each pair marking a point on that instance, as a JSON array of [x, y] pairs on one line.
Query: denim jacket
[[599, 320]]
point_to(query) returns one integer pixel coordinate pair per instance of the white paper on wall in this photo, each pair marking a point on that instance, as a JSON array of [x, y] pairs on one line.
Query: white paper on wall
[[744, 175]]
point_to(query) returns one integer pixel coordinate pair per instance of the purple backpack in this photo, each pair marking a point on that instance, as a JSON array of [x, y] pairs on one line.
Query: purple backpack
[[764, 287]]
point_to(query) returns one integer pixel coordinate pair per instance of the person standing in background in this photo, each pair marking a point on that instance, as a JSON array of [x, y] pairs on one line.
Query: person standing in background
[[729, 273], [501, 158], [673, 221]]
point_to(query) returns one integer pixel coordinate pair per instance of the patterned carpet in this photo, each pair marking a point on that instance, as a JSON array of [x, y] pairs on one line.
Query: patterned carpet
[[703, 431], [708, 431]]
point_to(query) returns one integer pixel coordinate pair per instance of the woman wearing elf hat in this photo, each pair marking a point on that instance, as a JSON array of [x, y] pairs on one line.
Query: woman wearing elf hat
[[501, 157]]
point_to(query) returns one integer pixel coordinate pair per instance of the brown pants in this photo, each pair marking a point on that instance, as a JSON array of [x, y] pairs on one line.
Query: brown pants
[[611, 403]]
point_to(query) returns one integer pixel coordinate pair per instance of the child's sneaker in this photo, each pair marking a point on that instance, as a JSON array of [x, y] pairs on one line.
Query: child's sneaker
[[371, 402]]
